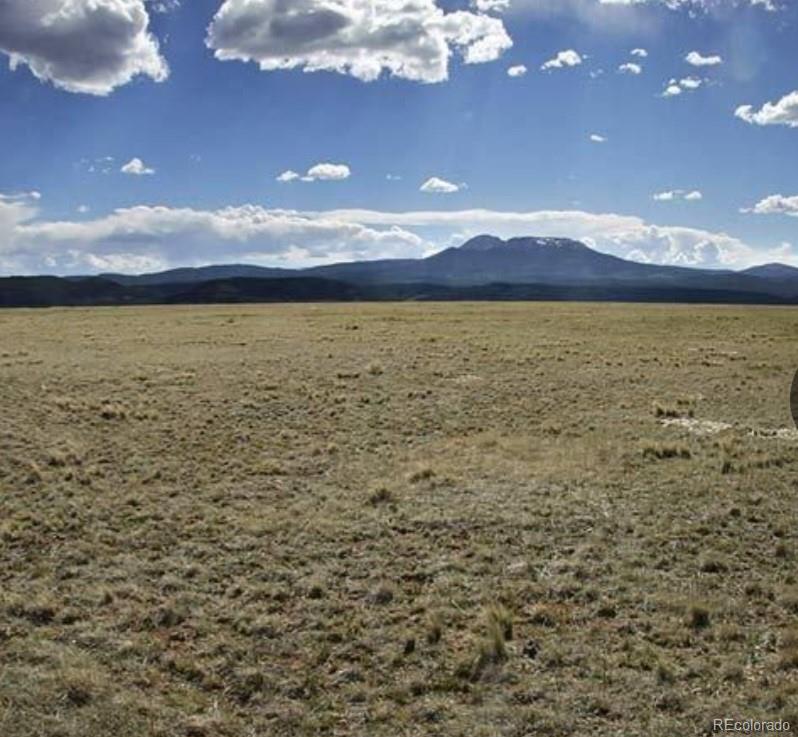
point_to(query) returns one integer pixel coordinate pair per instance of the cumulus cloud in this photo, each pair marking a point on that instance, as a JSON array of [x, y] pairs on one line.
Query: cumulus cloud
[[320, 172], [517, 71], [136, 167], [678, 194], [129, 238], [146, 238], [630, 68], [782, 112], [329, 172], [87, 46], [776, 204], [436, 185], [641, 53], [622, 235], [568, 58], [363, 38], [596, 138]]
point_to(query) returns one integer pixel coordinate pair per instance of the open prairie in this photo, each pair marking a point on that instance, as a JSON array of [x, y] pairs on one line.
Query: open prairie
[[475, 520]]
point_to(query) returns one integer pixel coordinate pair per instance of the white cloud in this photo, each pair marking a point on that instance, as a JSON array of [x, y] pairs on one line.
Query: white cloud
[[692, 5], [164, 6], [782, 112], [320, 172], [622, 235], [697, 60], [641, 53], [412, 39], [568, 58], [630, 68], [491, 6], [437, 185], [163, 236], [288, 176], [329, 172], [675, 87], [83, 209], [596, 138], [146, 238], [678, 194], [87, 46], [517, 71], [690, 83], [776, 204], [136, 167]]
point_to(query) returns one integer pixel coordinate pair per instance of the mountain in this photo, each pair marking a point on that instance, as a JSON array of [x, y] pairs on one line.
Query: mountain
[[781, 272], [483, 268], [561, 261]]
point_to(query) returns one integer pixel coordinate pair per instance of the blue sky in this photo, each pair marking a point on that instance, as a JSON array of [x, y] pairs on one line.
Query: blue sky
[[136, 135]]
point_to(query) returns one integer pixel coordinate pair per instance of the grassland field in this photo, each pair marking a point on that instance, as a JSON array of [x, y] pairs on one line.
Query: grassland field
[[396, 520]]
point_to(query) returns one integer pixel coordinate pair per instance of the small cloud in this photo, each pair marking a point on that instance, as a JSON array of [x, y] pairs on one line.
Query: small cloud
[[517, 71], [329, 172], [783, 112], [288, 176], [393, 177], [136, 167], [596, 138], [165, 6], [596, 73], [490, 6], [640, 53], [677, 86], [319, 172], [83, 209], [568, 58], [437, 185], [697, 60], [776, 204], [630, 68], [678, 194], [690, 83]]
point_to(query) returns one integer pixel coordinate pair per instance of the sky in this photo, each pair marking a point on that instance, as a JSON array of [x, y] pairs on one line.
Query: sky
[[140, 135]]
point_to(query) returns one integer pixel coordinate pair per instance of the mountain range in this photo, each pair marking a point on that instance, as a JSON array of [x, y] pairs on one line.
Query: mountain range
[[483, 268]]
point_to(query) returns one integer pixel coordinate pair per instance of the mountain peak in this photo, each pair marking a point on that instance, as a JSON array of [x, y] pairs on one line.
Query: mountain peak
[[482, 243], [490, 242]]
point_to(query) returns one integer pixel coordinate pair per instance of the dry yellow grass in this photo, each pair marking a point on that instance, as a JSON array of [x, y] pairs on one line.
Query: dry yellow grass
[[408, 519]]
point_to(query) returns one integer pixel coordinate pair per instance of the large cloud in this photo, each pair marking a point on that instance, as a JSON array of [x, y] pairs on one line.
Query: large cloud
[[412, 39], [147, 238], [89, 46], [623, 235], [163, 236], [782, 112]]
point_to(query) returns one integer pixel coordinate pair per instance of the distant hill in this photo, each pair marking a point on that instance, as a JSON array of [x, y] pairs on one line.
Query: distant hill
[[200, 274], [485, 267], [773, 271]]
